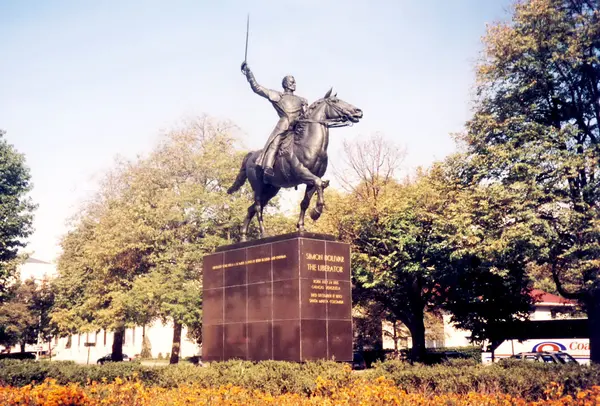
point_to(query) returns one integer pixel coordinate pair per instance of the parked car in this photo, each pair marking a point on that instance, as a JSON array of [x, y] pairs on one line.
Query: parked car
[[108, 358], [195, 359], [19, 355], [358, 361], [545, 356]]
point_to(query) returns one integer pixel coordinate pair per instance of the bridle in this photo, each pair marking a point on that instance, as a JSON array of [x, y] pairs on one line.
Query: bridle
[[342, 121]]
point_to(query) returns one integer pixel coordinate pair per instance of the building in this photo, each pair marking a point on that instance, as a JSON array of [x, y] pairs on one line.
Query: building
[[547, 307], [37, 269], [88, 347]]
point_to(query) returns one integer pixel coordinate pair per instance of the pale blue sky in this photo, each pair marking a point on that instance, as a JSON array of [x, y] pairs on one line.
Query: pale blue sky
[[83, 81]]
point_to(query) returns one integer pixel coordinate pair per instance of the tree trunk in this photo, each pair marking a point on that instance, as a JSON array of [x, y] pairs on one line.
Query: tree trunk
[[177, 327], [593, 313], [146, 346], [417, 332], [117, 346], [396, 338]]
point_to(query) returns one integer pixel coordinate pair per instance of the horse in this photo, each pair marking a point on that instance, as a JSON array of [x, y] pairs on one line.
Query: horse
[[302, 159]]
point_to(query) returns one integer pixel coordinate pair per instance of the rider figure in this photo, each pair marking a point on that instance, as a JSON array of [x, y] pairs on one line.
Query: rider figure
[[289, 107]]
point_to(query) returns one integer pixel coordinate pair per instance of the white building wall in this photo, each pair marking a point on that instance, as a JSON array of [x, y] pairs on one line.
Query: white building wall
[[455, 337], [160, 337], [36, 269]]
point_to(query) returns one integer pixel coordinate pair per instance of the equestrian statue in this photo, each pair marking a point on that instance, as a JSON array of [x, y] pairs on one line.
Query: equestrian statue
[[295, 152]]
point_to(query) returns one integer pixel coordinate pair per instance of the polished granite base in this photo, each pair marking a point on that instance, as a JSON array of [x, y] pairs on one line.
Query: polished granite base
[[282, 298]]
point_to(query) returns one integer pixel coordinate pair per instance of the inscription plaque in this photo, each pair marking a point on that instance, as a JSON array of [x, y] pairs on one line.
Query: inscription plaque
[[283, 298]]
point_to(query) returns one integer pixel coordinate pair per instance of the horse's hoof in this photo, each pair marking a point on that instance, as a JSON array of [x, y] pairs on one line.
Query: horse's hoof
[[243, 238], [300, 227], [325, 184], [315, 214]]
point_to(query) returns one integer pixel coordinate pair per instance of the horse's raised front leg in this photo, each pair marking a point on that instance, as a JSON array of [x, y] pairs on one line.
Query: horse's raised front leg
[[316, 183], [316, 212], [308, 194]]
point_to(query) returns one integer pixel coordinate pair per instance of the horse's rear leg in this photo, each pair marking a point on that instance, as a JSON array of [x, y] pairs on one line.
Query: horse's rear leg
[[258, 209], [247, 220], [308, 194]]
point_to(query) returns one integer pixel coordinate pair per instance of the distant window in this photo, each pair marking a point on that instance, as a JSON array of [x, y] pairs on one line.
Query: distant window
[[566, 358]]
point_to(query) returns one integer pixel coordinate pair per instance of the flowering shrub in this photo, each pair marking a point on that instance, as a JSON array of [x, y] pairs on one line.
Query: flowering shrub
[[327, 392], [521, 380]]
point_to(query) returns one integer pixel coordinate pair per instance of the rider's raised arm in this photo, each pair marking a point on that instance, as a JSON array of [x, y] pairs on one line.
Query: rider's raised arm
[[272, 95]]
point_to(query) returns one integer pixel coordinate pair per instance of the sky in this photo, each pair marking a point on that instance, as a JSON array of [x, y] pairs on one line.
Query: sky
[[84, 82]]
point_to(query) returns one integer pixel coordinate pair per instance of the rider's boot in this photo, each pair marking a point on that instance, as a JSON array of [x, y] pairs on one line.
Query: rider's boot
[[270, 160]]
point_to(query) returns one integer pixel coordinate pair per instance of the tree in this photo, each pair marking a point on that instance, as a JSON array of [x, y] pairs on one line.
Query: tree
[[135, 253], [535, 131], [16, 209], [24, 316], [423, 245]]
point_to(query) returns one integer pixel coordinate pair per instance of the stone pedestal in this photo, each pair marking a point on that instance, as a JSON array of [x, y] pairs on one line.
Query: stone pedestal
[[282, 298]]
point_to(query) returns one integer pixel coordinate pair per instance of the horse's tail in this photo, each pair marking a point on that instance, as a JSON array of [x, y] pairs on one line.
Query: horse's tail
[[241, 177]]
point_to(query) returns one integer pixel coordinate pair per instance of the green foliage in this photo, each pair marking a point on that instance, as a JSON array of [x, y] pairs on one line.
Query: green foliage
[[276, 377], [16, 209], [426, 245], [516, 378], [473, 352], [135, 252], [25, 314], [534, 137]]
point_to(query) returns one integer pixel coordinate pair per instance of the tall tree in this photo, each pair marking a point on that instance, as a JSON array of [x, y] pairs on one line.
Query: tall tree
[[16, 209], [135, 254], [535, 130], [422, 245]]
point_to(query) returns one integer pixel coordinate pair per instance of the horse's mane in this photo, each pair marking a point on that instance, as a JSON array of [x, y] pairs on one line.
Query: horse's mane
[[300, 126], [312, 107]]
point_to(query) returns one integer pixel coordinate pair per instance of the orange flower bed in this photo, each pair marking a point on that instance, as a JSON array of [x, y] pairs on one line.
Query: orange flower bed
[[359, 392]]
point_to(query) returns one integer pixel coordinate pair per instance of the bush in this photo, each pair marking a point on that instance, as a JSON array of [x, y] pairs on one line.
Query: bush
[[357, 392], [526, 379], [473, 352], [514, 378]]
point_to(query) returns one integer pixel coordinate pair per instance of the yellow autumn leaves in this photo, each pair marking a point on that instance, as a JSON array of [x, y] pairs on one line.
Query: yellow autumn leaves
[[328, 393]]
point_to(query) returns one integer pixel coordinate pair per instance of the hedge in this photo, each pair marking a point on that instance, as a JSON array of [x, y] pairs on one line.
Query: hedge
[[274, 377]]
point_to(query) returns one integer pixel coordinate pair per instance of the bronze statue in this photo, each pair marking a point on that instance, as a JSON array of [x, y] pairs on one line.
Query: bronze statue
[[288, 106], [296, 150], [302, 159]]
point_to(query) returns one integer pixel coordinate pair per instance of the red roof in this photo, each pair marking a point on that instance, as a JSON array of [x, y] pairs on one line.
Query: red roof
[[540, 296]]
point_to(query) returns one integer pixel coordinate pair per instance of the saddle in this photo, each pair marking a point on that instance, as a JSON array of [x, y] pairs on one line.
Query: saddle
[[286, 147]]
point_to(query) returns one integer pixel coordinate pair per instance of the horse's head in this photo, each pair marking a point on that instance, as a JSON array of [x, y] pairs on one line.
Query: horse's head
[[339, 111]]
